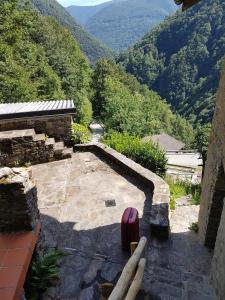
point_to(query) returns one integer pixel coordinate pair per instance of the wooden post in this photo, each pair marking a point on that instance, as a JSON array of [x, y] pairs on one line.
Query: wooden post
[[122, 285], [136, 284], [106, 290], [133, 246]]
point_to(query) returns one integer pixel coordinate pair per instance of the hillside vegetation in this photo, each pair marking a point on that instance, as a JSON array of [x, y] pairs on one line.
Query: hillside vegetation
[[40, 60], [181, 59], [89, 45], [120, 23], [124, 105], [83, 13]]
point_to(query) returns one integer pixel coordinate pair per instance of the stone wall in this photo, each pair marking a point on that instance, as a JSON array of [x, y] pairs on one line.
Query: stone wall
[[213, 192], [218, 262], [18, 201], [20, 147], [58, 126], [160, 210]]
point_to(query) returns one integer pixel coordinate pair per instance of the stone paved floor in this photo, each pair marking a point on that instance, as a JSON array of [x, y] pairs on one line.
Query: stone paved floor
[[178, 268], [72, 195]]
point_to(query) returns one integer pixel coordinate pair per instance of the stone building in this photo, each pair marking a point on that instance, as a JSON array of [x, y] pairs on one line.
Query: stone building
[[53, 118], [212, 209]]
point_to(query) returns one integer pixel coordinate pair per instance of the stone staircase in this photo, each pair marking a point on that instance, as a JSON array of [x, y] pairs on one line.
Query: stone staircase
[[60, 150], [19, 147]]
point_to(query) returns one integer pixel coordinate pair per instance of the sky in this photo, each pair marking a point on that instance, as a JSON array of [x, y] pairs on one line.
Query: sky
[[81, 2]]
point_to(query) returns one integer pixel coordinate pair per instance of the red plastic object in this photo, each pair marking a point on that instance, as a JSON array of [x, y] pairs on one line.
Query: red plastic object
[[129, 227]]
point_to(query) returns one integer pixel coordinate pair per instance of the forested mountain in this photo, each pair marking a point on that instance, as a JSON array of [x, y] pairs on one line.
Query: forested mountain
[[89, 45], [124, 105], [181, 59], [40, 60], [120, 23], [83, 13]]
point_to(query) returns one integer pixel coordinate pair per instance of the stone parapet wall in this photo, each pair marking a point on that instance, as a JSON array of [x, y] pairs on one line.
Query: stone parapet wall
[[58, 126], [160, 210], [18, 201]]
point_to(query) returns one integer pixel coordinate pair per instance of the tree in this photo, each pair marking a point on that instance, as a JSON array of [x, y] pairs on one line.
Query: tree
[[202, 141]]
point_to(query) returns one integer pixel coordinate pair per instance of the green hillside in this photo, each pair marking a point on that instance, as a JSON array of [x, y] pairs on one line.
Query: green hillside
[[120, 23], [83, 13], [124, 105], [40, 60], [181, 59], [89, 45]]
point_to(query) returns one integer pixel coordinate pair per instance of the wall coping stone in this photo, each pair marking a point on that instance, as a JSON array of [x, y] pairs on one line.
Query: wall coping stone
[[11, 134], [160, 212]]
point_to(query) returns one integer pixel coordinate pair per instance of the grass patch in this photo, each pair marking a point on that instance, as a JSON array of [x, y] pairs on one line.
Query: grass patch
[[194, 227], [180, 189]]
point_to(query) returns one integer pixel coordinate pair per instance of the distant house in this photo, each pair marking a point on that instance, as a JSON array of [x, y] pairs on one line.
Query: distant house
[[165, 142], [181, 164]]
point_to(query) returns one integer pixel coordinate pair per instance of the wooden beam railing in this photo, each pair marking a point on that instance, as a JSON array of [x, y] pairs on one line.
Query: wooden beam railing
[[131, 276]]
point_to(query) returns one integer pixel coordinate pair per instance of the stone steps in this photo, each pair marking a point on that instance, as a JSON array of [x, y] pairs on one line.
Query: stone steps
[[39, 137], [60, 150], [26, 146]]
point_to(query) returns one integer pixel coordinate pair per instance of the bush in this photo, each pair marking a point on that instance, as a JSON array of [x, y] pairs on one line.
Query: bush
[[42, 274], [194, 227], [146, 154], [181, 188], [80, 134]]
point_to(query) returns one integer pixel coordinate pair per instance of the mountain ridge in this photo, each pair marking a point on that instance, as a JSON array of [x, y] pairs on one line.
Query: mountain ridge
[[93, 48], [119, 24], [181, 58]]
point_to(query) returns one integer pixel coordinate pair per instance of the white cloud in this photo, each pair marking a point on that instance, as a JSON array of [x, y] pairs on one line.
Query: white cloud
[[81, 2]]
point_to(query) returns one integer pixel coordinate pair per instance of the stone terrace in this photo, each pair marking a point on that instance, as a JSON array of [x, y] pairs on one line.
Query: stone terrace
[[72, 195]]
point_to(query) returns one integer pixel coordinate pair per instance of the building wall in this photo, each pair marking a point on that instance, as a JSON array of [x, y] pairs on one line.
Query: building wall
[[218, 263], [213, 193], [58, 126]]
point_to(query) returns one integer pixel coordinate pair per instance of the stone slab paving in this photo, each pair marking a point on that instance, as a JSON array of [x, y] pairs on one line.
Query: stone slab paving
[[72, 195], [178, 268]]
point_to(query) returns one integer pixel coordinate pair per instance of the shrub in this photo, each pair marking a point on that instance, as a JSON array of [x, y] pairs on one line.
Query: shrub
[[80, 134], [181, 188], [195, 191], [146, 154], [42, 274], [194, 227]]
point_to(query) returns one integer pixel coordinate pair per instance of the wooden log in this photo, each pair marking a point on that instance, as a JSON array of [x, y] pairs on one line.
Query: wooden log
[[136, 284], [133, 246], [106, 290], [122, 285]]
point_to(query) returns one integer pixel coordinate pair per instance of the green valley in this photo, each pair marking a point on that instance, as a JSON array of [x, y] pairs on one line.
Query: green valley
[[181, 59], [120, 23]]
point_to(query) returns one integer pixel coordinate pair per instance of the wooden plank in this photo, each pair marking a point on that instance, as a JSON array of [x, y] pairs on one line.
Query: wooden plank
[[106, 290], [133, 246]]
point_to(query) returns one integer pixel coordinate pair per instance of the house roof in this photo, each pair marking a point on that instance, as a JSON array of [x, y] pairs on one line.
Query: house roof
[[186, 3], [37, 108], [165, 141]]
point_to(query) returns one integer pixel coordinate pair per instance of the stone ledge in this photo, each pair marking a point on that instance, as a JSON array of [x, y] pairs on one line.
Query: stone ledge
[[161, 196]]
